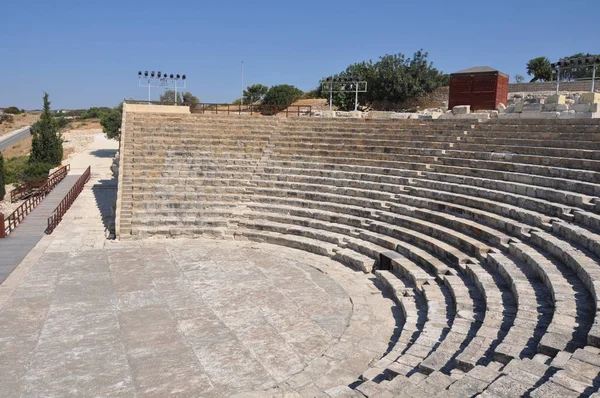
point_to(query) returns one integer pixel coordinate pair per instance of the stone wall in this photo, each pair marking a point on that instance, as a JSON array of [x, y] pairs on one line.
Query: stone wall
[[580, 86]]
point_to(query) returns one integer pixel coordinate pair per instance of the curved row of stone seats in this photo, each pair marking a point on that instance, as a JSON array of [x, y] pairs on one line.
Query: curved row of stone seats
[[355, 208]]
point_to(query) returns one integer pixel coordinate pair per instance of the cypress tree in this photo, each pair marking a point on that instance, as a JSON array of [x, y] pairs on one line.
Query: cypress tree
[[2, 177], [46, 146]]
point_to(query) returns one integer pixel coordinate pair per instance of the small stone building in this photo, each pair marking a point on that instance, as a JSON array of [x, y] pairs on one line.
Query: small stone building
[[481, 87]]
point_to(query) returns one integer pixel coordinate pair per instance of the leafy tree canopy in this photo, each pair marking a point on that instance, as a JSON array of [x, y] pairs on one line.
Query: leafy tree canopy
[[392, 79], [282, 95], [46, 146], [255, 93], [13, 110], [111, 122], [540, 68]]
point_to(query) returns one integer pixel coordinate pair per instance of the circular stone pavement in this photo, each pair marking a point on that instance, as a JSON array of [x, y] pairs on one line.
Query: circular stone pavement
[[191, 318]]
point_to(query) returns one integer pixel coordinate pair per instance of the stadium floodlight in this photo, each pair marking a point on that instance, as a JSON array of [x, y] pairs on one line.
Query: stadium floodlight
[[343, 84], [577, 63], [161, 80]]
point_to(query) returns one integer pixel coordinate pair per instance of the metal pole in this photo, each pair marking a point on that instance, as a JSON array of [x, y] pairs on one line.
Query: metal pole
[[594, 78], [356, 99], [175, 92], [242, 97], [331, 95], [148, 93], [557, 80]]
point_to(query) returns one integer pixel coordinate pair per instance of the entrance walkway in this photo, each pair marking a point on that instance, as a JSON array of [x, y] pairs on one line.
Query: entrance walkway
[[87, 219], [19, 243]]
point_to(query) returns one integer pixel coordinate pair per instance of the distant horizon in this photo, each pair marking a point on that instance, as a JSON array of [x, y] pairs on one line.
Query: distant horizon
[[87, 55]]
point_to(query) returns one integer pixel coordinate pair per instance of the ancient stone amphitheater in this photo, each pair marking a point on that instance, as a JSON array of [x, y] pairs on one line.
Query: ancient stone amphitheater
[[485, 235]]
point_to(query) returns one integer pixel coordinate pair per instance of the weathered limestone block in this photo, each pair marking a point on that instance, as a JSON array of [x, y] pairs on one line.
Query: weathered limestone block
[[550, 107], [532, 107], [399, 115], [555, 99], [461, 109], [501, 108], [590, 98], [561, 107], [581, 107]]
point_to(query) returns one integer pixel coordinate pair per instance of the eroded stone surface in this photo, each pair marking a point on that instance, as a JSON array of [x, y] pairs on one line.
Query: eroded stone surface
[[189, 317]]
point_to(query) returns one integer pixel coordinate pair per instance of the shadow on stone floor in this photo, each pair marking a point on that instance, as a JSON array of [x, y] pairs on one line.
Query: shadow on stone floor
[[105, 194], [104, 153]]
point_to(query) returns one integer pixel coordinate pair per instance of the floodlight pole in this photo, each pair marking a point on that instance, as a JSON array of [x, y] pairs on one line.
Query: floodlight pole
[[175, 92], [594, 77], [557, 80], [356, 98], [242, 97]]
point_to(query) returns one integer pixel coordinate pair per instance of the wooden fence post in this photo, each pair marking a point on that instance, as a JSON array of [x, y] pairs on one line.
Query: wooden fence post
[[2, 229]]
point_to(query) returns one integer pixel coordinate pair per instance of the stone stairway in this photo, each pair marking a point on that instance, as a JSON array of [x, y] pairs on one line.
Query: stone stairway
[[493, 230]]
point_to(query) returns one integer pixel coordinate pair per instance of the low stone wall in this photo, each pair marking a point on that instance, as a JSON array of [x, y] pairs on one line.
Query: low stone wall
[[579, 86], [144, 108]]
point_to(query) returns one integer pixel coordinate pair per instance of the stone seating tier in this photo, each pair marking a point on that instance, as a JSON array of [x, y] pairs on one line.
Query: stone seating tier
[[492, 230]]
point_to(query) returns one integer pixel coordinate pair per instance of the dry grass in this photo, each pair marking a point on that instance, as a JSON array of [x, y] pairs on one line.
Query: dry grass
[[22, 148], [87, 124], [22, 120]]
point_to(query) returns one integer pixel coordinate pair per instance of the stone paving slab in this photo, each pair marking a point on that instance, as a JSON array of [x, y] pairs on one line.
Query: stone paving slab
[[188, 318]]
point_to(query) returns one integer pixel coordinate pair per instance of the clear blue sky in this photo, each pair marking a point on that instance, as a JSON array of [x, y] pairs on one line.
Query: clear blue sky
[[87, 53]]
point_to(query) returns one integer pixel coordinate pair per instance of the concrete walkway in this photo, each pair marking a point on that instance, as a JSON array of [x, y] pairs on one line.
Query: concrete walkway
[[94, 209], [19, 243]]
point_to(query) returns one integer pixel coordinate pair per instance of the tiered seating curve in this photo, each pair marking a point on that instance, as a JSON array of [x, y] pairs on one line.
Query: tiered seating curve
[[486, 234]]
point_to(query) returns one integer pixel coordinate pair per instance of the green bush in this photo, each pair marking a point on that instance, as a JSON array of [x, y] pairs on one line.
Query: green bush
[[282, 95], [14, 169], [111, 122], [2, 178], [5, 117], [36, 171], [13, 110]]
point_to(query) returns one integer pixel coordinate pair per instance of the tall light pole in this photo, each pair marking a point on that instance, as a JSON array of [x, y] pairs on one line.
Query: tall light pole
[[242, 97]]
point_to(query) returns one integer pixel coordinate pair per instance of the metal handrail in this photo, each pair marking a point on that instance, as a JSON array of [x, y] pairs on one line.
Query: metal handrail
[[9, 223], [68, 200]]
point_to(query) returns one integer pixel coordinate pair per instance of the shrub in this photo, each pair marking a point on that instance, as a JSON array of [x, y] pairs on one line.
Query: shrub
[[5, 117], [13, 110], [282, 95], [14, 169], [111, 122], [36, 171]]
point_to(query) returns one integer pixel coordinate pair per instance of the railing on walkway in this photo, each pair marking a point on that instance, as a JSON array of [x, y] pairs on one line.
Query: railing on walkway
[[22, 190], [236, 109], [9, 223], [66, 203]]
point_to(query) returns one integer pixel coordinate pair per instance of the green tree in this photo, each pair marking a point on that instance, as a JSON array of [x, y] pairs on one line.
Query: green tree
[[191, 100], [540, 68], [255, 93], [282, 95], [519, 78], [13, 110], [2, 178], [111, 122], [169, 96], [46, 146], [391, 80]]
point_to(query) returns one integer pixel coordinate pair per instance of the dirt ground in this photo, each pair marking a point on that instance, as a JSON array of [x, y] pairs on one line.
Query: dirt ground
[[22, 120]]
